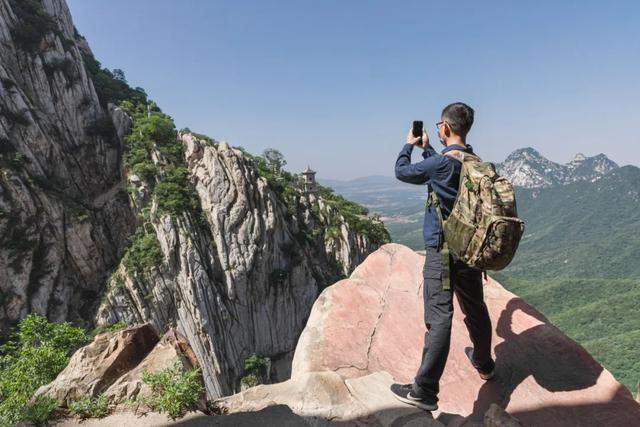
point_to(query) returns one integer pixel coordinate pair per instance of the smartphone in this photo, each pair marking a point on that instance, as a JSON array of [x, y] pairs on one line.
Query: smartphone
[[417, 128]]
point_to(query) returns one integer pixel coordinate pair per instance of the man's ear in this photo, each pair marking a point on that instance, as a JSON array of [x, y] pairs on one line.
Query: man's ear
[[447, 130]]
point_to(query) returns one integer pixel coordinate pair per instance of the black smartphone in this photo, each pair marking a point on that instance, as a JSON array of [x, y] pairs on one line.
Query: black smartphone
[[417, 128]]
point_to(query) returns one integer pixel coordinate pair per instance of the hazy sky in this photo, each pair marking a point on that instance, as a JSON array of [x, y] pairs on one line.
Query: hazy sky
[[336, 84]]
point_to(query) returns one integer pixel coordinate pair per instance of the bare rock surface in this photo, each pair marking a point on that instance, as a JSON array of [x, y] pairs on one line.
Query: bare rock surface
[[373, 321], [243, 280], [64, 213], [171, 349], [95, 367], [498, 417], [325, 398]]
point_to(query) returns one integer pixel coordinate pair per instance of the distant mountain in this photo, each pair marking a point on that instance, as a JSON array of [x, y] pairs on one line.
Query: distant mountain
[[527, 168]]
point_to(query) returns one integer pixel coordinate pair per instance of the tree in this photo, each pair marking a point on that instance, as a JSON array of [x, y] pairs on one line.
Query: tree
[[118, 74], [275, 159]]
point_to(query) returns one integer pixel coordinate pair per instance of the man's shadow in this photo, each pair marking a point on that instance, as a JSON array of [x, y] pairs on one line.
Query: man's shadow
[[555, 362]]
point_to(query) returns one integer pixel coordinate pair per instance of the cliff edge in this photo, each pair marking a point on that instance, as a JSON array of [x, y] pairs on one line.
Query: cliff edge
[[367, 329]]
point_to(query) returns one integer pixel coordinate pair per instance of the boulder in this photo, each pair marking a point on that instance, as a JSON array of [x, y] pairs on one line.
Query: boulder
[[95, 367], [373, 321], [171, 349]]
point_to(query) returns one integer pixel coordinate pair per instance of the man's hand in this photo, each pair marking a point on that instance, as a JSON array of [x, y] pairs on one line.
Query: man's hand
[[416, 141]]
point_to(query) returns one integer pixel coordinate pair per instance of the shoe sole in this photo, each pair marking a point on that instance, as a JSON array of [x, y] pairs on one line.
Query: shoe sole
[[485, 377], [417, 403]]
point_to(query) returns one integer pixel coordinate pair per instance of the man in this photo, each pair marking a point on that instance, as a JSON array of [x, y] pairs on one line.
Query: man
[[441, 174]]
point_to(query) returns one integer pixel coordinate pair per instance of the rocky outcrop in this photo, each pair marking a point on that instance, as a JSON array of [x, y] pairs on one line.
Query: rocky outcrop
[[373, 322], [327, 399], [245, 261], [113, 364], [64, 214], [172, 349], [95, 367], [241, 278]]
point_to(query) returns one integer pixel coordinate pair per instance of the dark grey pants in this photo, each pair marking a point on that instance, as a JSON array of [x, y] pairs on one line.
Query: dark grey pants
[[466, 282]]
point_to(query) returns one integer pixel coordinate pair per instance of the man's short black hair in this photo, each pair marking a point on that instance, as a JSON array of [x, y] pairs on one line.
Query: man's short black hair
[[459, 116]]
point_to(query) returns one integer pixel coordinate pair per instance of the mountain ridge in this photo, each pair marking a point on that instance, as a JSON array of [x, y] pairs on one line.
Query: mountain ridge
[[525, 167]]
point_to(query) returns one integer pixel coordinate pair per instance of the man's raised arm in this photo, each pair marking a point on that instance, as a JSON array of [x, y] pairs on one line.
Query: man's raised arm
[[417, 173]]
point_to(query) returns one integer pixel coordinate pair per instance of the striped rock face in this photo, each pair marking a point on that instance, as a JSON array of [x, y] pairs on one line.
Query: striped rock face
[[373, 321]]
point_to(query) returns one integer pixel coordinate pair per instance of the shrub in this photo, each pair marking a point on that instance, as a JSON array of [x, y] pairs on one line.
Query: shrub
[[174, 194], [109, 88], [255, 364], [210, 141], [255, 368], [144, 252], [250, 380], [34, 24], [40, 411], [34, 356], [89, 407], [331, 232], [102, 127], [173, 390], [63, 65], [146, 170]]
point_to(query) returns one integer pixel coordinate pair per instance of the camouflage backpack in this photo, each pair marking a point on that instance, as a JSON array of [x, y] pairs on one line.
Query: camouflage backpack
[[483, 229]]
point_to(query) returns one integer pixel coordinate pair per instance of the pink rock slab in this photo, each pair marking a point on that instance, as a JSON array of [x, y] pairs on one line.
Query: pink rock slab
[[373, 321]]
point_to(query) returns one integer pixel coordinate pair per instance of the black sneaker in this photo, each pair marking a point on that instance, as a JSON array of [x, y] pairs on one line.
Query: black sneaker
[[406, 394], [487, 371]]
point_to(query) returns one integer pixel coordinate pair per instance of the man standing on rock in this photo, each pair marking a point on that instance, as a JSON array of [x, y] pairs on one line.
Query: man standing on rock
[[443, 277]]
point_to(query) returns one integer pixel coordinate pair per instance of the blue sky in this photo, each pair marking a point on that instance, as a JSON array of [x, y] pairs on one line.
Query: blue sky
[[336, 84]]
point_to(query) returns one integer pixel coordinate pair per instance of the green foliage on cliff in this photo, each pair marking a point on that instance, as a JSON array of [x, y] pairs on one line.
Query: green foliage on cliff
[[144, 252], [174, 194], [65, 66], [255, 369], [34, 356], [153, 130], [34, 24], [174, 390], [287, 187], [110, 87], [356, 217], [90, 407]]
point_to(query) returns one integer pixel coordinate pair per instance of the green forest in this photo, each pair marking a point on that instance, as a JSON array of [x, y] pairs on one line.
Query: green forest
[[577, 264]]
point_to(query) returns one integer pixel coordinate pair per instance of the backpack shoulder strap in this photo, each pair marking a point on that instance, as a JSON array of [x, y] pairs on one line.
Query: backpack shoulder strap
[[462, 156]]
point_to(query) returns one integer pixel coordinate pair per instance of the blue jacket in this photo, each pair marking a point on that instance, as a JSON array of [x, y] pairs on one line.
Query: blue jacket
[[442, 175]]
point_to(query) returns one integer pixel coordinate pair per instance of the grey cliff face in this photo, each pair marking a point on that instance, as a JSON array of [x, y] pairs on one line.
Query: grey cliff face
[[217, 281], [63, 216], [237, 277]]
